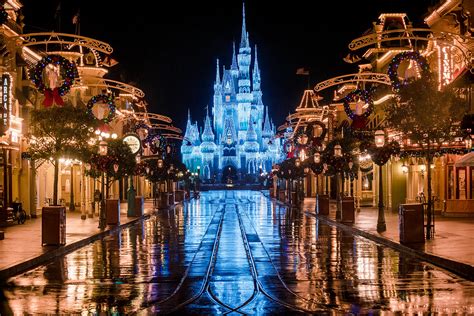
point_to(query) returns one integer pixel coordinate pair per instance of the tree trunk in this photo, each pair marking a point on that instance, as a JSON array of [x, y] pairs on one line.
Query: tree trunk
[[55, 182], [429, 206]]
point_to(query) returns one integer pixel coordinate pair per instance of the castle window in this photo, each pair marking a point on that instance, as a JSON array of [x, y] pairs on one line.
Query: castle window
[[227, 98]]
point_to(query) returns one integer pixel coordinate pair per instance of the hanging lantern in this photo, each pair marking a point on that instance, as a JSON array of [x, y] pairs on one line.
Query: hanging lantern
[[404, 168], [116, 167], [379, 138], [302, 155], [103, 148], [337, 151], [160, 163], [317, 158]]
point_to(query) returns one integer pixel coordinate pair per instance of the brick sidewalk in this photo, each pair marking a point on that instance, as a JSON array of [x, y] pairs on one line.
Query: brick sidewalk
[[452, 246], [21, 249]]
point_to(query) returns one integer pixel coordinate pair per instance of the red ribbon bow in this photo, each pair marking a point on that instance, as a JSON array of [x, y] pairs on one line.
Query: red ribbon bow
[[52, 96]]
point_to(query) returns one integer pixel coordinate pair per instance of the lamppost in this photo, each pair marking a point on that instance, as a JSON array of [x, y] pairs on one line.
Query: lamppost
[[380, 155], [103, 152], [338, 157]]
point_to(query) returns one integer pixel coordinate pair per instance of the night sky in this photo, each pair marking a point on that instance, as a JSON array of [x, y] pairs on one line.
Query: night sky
[[170, 52]]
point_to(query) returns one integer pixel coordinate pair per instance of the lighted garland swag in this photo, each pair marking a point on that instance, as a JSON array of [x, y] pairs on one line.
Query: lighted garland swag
[[395, 63], [70, 73], [107, 99]]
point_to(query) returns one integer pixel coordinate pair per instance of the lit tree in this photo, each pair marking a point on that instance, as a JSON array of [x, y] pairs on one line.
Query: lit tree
[[428, 117], [117, 164], [60, 132]]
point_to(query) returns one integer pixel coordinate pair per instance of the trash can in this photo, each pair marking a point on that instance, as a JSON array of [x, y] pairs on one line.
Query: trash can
[[53, 225], [163, 202], [281, 195], [139, 206], [322, 204], [112, 211], [411, 223], [170, 198], [179, 196], [347, 210]]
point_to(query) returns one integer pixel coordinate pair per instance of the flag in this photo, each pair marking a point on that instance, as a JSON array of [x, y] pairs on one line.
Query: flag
[[58, 10], [302, 71], [75, 18]]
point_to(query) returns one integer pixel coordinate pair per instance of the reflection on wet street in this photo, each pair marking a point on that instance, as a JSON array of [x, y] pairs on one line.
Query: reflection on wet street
[[235, 252]]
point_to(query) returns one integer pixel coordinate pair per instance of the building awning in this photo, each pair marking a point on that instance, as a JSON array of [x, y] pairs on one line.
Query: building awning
[[466, 160]]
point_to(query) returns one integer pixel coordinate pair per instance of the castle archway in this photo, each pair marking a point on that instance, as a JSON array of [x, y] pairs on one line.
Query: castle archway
[[229, 174]]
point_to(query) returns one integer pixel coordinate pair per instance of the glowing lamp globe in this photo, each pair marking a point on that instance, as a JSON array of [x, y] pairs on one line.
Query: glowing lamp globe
[[379, 138]]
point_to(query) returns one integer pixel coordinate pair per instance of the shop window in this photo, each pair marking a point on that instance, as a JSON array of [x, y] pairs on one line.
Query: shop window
[[472, 183], [461, 184], [450, 183]]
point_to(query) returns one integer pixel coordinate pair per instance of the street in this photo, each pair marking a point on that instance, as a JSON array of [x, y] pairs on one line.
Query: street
[[235, 252]]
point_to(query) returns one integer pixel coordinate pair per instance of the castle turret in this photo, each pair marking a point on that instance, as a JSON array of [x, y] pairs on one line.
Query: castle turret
[[251, 144], [234, 68], [208, 145]]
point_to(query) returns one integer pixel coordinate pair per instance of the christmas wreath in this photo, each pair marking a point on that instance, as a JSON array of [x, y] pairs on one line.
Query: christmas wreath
[[156, 143], [140, 126], [358, 121], [393, 67], [52, 92], [104, 98], [317, 140]]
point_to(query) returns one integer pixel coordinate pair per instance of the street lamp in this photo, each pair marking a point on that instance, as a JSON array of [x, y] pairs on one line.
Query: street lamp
[[380, 159], [102, 152]]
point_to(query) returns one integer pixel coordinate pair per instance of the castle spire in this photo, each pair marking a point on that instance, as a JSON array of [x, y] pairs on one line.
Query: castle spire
[[244, 40], [267, 126], [218, 76], [234, 58], [256, 73], [207, 134]]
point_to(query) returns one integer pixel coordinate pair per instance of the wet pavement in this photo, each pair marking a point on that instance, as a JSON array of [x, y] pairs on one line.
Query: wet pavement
[[235, 252]]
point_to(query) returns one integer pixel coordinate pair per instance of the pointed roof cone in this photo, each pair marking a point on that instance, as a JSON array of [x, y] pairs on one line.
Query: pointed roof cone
[[218, 76], [256, 70], [309, 101], [189, 115], [234, 58], [207, 134], [267, 127], [251, 134], [244, 40]]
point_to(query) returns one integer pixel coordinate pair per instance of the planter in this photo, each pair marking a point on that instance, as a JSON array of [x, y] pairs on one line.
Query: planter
[[112, 211], [347, 208], [322, 204], [53, 225], [139, 206], [179, 196], [411, 223], [163, 201]]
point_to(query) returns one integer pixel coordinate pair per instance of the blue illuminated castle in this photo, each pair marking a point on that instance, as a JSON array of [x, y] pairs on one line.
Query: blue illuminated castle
[[238, 141]]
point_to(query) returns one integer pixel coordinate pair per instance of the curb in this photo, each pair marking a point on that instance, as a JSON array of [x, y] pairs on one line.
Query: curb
[[24, 266], [463, 270]]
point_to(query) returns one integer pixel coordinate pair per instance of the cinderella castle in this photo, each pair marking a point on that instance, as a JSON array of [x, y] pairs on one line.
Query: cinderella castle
[[237, 142]]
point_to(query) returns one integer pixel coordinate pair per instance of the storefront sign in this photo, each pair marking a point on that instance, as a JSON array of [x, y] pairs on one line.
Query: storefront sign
[[133, 141], [5, 109]]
